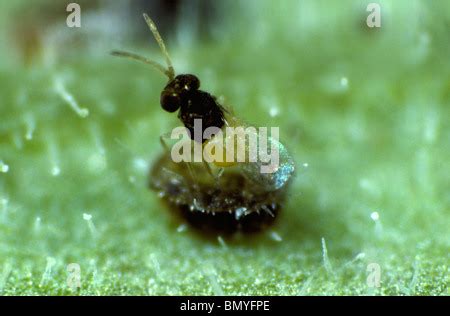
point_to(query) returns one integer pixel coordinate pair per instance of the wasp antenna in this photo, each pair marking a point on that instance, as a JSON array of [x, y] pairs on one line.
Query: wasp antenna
[[159, 40], [147, 61]]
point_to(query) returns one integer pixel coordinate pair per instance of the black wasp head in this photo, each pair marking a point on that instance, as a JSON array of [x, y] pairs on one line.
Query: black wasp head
[[176, 91]]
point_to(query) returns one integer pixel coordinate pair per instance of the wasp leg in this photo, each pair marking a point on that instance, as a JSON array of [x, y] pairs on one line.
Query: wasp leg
[[163, 142], [211, 173], [215, 176]]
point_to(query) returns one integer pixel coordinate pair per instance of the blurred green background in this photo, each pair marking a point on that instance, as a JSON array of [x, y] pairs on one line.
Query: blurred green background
[[364, 111]]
